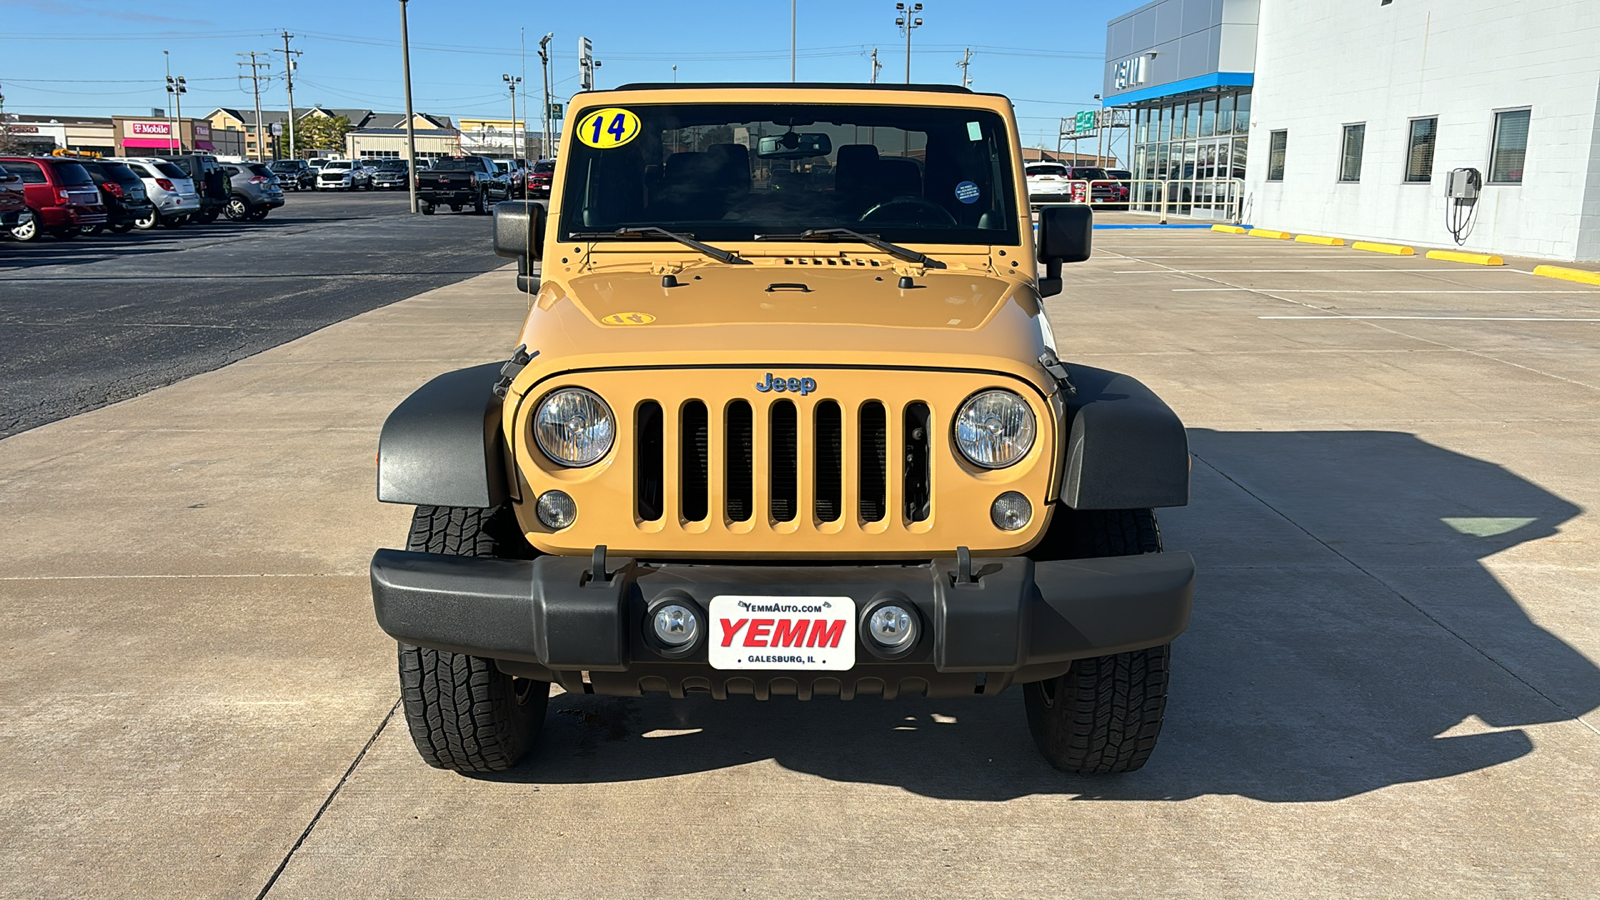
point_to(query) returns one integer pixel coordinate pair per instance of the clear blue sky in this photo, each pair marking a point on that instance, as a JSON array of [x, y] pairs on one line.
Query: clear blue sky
[[99, 57]]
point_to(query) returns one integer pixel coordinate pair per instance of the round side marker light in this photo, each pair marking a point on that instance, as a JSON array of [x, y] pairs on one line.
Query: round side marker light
[[1011, 511], [556, 510]]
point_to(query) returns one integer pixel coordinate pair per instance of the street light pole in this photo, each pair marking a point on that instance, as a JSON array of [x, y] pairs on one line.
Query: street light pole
[[909, 21], [176, 89], [166, 59], [544, 62], [512, 81], [791, 39], [411, 129]]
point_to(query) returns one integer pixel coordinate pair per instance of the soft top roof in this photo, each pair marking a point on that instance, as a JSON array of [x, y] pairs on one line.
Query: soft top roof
[[797, 85]]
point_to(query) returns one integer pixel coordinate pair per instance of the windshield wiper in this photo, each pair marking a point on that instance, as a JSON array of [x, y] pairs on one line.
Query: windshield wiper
[[716, 253], [871, 240]]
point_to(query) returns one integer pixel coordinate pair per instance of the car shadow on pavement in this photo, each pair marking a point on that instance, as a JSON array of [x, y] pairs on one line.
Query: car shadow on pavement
[[1346, 637]]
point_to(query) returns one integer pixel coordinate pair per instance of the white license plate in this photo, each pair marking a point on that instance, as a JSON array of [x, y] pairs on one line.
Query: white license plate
[[783, 633]]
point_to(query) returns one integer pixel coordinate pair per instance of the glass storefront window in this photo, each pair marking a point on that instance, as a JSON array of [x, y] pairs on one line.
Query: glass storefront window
[[1225, 114], [1241, 116], [1208, 116], [1142, 120], [1238, 159], [1161, 162], [1191, 120], [1165, 131]]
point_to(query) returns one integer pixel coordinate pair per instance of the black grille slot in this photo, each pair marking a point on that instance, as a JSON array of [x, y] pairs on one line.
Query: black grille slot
[[830, 461], [694, 455], [647, 469], [741, 461], [785, 461], [918, 476], [874, 470]]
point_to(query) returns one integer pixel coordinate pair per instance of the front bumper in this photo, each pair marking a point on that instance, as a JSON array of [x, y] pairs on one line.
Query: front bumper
[[1015, 620]]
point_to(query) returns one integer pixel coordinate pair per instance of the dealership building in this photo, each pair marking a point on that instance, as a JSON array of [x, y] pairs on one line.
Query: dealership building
[[1358, 118]]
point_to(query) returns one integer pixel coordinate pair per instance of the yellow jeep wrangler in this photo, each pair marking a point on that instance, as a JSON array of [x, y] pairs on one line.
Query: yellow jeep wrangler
[[786, 419]]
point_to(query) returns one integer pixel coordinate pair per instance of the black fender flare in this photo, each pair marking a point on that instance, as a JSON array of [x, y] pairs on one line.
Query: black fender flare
[[443, 445], [1126, 449]]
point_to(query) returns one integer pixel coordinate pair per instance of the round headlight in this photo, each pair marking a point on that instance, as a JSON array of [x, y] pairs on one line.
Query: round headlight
[[994, 429], [574, 427]]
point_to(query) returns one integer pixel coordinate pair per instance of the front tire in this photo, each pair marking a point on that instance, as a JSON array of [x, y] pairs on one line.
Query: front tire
[[464, 714], [480, 203], [1104, 715], [237, 209]]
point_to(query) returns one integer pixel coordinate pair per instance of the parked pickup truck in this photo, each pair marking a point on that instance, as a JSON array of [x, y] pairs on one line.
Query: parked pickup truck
[[460, 181]]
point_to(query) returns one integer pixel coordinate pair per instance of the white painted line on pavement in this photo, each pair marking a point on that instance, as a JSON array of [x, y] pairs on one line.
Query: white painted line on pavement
[[1443, 318], [1263, 290], [1303, 271]]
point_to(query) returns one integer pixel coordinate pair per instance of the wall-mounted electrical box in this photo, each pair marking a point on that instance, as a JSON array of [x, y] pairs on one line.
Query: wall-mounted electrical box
[[1463, 184]]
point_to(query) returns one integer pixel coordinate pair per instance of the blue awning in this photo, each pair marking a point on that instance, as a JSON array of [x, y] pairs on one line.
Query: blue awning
[[1197, 83]]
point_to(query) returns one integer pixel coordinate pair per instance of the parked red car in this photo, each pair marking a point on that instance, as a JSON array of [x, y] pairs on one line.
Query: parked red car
[[13, 208], [539, 178], [59, 193]]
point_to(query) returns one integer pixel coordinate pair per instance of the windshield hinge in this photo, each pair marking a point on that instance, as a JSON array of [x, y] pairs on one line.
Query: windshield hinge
[[1053, 366], [513, 367]]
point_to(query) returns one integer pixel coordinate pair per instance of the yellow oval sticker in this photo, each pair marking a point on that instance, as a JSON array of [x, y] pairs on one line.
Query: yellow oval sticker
[[629, 318], [607, 128]]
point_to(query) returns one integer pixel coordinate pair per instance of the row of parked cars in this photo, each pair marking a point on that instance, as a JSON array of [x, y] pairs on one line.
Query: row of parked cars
[[513, 178], [65, 196], [1053, 182]]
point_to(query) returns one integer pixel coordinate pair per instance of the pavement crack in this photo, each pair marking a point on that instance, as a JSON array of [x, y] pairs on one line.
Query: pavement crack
[[284, 864], [1574, 716]]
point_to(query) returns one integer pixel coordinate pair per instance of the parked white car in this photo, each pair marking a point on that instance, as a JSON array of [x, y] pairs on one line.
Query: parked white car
[[171, 191], [345, 175], [1048, 182]]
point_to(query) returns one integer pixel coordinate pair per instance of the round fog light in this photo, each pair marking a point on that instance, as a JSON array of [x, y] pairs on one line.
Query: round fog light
[[1011, 511], [892, 627], [675, 625], [556, 510]]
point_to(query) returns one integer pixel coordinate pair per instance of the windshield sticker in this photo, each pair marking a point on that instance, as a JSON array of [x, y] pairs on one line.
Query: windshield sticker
[[629, 318], [967, 192], [974, 133], [608, 128]]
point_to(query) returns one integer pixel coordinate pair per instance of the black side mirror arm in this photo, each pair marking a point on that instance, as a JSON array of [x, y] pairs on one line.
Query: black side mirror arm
[[1050, 284]]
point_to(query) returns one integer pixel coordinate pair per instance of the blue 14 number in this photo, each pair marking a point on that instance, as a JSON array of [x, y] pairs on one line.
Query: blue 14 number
[[618, 128]]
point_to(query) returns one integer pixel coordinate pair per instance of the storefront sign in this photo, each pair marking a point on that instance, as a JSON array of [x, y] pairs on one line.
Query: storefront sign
[[1128, 72], [147, 128]]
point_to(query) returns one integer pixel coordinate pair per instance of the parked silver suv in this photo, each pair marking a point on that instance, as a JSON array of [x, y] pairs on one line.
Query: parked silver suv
[[253, 191]]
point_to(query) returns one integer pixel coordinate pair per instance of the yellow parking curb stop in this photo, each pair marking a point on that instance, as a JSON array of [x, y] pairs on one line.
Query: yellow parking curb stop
[[1319, 239], [1582, 276], [1393, 249], [1230, 229], [1477, 259], [1264, 233]]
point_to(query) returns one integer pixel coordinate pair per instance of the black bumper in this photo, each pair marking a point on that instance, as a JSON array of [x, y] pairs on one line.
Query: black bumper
[[1015, 621]]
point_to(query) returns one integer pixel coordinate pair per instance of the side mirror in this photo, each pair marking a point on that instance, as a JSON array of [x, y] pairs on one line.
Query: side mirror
[[519, 235], [1066, 235], [8, 178]]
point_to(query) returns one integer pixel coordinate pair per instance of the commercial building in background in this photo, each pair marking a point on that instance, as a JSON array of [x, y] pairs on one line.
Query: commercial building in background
[[1185, 70], [372, 135], [44, 134], [145, 136], [1465, 123], [496, 138]]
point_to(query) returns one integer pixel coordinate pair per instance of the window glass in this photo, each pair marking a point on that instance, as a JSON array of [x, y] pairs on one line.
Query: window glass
[[733, 171], [1191, 121], [1350, 156], [1141, 124], [1510, 146], [1163, 129], [1419, 155], [1225, 114], [1276, 151], [1161, 161], [1238, 158], [1208, 116], [1241, 115], [170, 170], [1188, 161], [29, 171]]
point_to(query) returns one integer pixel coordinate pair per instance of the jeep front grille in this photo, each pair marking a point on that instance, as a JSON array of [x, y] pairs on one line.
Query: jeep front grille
[[780, 444]]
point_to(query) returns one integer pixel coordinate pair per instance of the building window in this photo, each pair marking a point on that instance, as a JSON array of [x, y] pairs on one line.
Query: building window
[[1419, 154], [1225, 114], [1208, 116], [1350, 157], [1510, 146], [1241, 118], [1276, 149]]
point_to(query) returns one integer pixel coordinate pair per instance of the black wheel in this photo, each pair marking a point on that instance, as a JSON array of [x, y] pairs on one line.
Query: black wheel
[[426, 208], [480, 203], [174, 221], [91, 230], [63, 234], [455, 207], [121, 227], [464, 714], [1104, 715], [237, 208], [257, 215]]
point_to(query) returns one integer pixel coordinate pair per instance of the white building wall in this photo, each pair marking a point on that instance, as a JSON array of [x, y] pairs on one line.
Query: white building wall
[[1322, 64]]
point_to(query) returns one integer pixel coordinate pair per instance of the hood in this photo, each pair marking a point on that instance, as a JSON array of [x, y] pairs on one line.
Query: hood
[[776, 312]]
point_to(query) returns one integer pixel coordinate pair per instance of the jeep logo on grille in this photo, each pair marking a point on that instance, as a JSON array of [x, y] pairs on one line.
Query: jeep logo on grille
[[801, 386]]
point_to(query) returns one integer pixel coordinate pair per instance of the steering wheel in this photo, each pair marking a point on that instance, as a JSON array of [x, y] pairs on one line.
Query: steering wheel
[[909, 210]]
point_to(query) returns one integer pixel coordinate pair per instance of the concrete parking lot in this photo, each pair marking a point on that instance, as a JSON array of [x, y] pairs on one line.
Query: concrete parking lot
[[1389, 687], [91, 321]]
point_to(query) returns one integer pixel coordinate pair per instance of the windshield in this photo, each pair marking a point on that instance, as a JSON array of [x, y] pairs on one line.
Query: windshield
[[1086, 174], [735, 171], [1048, 170], [336, 165], [544, 166]]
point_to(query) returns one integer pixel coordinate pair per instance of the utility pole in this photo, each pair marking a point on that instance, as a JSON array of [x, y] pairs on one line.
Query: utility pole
[[909, 22], [876, 66], [255, 86], [411, 129], [166, 59], [544, 62], [522, 43], [966, 60], [513, 81], [288, 73], [791, 39]]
